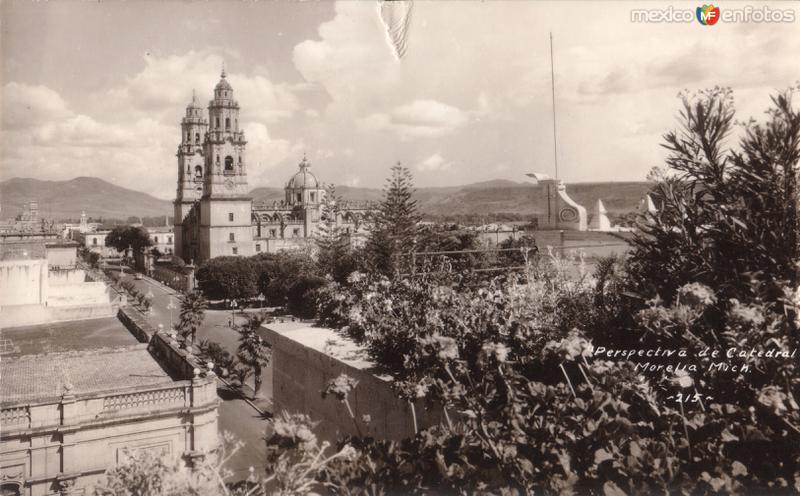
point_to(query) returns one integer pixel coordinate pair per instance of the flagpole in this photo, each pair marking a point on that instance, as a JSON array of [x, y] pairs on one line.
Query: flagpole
[[553, 88]]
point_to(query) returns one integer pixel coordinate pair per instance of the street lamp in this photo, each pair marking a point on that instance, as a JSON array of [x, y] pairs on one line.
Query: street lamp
[[171, 307], [233, 309], [149, 297]]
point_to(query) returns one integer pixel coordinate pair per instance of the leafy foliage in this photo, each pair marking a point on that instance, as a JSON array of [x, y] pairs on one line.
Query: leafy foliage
[[228, 278], [394, 225], [530, 409], [335, 256], [122, 237], [193, 313], [253, 351]]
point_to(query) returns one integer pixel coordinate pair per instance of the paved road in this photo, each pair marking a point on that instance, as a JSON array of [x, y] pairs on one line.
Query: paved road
[[235, 414]]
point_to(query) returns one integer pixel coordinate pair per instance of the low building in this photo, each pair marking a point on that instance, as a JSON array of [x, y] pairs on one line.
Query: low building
[[41, 282], [70, 415]]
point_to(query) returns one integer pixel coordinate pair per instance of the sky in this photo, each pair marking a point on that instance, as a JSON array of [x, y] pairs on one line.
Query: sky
[[99, 88]]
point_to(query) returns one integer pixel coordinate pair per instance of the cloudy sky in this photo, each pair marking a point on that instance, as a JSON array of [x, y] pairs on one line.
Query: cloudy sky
[[99, 88]]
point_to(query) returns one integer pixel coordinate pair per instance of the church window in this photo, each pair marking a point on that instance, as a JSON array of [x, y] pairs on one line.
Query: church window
[[169, 239], [312, 197], [296, 233], [258, 246], [231, 237], [156, 239], [229, 163], [230, 216], [299, 197], [198, 172], [216, 120], [197, 137], [227, 123], [235, 250], [94, 241], [273, 233]]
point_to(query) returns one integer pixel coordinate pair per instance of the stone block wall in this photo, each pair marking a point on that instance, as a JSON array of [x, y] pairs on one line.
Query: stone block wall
[[300, 373]]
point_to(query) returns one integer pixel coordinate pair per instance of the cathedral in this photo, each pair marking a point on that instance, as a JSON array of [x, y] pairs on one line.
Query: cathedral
[[214, 214]]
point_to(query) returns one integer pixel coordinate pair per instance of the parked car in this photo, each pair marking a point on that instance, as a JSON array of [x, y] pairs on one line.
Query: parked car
[[138, 276]]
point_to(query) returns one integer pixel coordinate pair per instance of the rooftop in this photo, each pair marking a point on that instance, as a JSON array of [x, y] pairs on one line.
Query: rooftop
[[76, 335], [36, 378]]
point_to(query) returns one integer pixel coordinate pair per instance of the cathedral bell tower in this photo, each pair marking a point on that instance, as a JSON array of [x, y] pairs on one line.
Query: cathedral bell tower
[[191, 168], [225, 207]]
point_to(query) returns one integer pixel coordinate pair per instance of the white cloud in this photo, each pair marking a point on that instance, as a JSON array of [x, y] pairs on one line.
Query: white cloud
[[130, 133], [420, 118], [434, 163], [25, 105], [164, 88]]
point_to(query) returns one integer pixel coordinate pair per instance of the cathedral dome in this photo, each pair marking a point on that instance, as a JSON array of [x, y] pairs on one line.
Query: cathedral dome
[[303, 179], [223, 84]]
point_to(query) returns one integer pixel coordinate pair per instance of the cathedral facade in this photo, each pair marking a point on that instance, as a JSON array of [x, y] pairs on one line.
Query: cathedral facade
[[214, 214]]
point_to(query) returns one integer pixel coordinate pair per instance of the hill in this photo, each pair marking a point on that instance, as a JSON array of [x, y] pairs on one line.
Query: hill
[[62, 200], [493, 197], [66, 199]]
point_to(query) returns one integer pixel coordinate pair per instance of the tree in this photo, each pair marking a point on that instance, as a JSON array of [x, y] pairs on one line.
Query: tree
[[394, 225], [253, 351], [121, 237], [277, 272], [193, 313], [727, 217], [335, 255], [301, 296], [228, 278]]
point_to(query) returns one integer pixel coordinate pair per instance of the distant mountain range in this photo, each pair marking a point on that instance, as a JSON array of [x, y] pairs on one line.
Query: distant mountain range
[[100, 199]]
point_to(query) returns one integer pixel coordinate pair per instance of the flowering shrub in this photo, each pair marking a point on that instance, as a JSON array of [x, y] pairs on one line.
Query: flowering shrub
[[531, 405]]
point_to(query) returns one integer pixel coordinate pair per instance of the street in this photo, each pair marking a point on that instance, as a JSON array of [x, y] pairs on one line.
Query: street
[[236, 415]]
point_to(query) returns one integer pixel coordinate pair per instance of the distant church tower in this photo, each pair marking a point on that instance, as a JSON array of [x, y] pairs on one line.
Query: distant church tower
[[191, 168], [225, 210]]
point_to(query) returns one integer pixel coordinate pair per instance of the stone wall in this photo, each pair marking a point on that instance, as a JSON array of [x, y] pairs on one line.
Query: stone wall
[[305, 358]]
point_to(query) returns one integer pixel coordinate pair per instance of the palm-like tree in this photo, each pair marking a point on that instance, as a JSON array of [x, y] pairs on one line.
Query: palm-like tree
[[193, 312], [253, 351]]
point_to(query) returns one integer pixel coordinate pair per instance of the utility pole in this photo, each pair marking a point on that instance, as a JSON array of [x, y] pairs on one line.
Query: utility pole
[[553, 88]]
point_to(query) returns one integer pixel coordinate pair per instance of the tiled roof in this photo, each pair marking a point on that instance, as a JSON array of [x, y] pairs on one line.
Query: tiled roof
[[34, 378]]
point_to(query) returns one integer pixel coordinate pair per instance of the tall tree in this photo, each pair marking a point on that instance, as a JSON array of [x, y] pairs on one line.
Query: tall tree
[[121, 237], [253, 351], [193, 313], [334, 253], [394, 225]]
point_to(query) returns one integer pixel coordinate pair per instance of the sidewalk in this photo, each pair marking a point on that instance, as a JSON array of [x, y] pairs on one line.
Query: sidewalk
[[262, 404]]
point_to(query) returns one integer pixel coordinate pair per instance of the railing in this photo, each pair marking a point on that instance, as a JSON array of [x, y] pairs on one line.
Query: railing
[[18, 416], [144, 399]]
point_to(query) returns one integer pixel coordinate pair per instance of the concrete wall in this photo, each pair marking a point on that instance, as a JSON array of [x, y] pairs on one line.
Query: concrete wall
[[300, 373], [62, 256], [72, 276], [23, 282]]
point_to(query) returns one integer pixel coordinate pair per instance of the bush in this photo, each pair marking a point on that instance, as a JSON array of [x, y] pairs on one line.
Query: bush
[[302, 296], [277, 272], [534, 409]]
